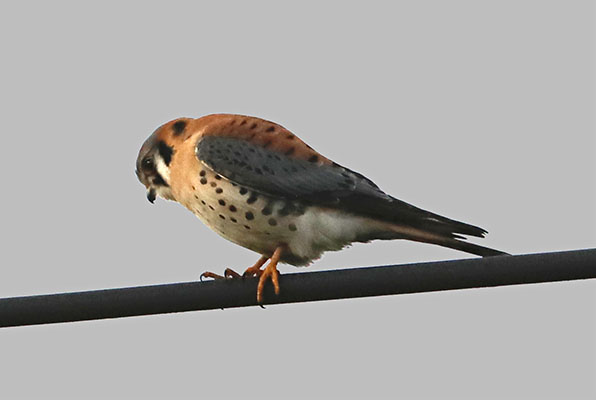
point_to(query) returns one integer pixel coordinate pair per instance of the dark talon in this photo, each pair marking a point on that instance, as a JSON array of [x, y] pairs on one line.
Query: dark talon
[[231, 274]]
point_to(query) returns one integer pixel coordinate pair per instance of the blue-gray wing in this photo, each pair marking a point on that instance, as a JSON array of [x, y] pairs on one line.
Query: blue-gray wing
[[273, 173]]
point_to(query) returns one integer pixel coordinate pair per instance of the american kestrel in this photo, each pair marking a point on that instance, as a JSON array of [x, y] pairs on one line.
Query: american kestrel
[[258, 185]]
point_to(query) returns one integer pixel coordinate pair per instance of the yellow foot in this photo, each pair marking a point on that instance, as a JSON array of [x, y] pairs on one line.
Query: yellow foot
[[270, 271], [228, 273], [213, 275], [256, 270], [263, 274]]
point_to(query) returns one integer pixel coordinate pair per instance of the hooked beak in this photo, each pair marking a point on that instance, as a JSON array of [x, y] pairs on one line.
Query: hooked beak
[[151, 195]]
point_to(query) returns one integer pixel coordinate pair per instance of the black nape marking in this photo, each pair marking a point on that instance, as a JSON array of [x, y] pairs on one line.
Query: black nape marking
[[270, 129], [165, 151], [290, 151], [179, 127], [313, 158]]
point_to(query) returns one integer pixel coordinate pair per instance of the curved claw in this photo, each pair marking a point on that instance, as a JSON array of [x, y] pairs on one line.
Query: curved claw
[[231, 274]]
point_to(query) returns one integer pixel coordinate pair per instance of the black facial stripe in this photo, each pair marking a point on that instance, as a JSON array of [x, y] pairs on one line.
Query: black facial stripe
[[159, 181], [165, 151], [179, 127]]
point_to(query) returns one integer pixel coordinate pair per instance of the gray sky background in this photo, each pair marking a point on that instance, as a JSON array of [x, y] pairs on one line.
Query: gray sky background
[[480, 111]]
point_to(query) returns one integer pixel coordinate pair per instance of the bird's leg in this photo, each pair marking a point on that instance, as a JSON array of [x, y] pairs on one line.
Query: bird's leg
[[256, 270], [270, 271]]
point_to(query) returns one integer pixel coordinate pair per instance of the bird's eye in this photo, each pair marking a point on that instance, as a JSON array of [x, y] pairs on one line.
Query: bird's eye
[[147, 164]]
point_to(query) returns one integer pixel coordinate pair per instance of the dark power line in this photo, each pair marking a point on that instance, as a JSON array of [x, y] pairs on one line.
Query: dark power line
[[300, 287]]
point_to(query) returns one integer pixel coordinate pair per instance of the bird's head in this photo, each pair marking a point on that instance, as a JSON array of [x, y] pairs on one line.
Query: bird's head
[[153, 165]]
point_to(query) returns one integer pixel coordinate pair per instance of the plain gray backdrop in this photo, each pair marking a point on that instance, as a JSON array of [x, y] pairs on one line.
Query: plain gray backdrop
[[482, 111]]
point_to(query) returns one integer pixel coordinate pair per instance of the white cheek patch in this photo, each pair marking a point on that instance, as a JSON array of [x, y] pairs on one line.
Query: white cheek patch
[[162, 169]]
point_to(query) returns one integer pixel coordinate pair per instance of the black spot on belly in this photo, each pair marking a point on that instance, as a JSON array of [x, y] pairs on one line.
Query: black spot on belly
[[213, 184], [233, 220], [221, 216], [247, 227], [253, 197], [232, 209], [202, 173], [178, 127], [218, 177], [221, 202], [219, 190], [267, 210], [243, 191], [272, 221], [249, 215], [292, 227], [203, 181]]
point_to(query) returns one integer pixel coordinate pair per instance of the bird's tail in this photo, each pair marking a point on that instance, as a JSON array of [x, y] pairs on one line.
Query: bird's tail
[[456, 242]]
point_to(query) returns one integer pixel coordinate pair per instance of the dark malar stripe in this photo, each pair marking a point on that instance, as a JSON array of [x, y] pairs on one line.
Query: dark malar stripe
[[159, 181], [165, 152]]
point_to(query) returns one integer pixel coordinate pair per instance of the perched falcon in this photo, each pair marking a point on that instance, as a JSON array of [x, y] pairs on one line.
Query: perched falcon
[[260, 186]]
